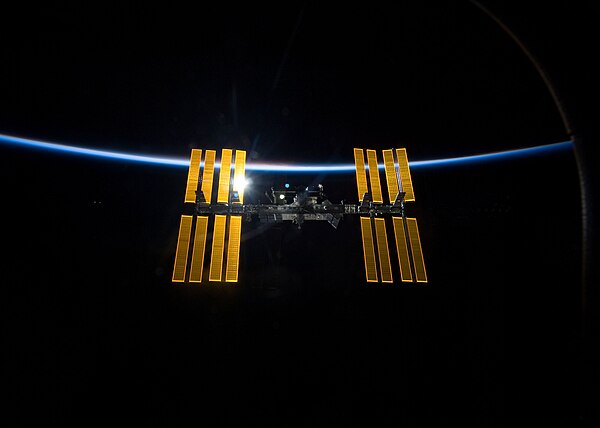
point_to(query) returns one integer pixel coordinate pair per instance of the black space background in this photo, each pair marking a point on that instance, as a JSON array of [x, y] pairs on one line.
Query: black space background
[[93, 329]]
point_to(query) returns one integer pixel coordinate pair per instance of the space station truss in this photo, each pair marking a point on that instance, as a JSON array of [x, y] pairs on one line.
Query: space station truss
[[221, 231], [374, 224]]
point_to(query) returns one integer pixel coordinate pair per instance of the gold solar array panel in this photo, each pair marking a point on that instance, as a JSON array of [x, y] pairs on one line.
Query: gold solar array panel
[[193, 174], [415, 245], [402, 249], [374, 176], [183, 243], [405, 175], [239, 175], [197, 263], [224, 176], [218, 247], [208, 175], [382, 247], [368, 249], [233, 248], [361, 173], [390, 174]]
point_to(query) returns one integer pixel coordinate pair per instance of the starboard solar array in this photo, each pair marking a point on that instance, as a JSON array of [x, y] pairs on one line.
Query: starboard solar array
[[406, 232], [219, 224]]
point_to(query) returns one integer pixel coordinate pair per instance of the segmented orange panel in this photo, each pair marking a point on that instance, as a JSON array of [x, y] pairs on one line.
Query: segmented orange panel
[[415, 245], [208, 174], [402, 249], [183, 243], [239, 174], [374, 176], [197, 264], [390, 174], [233, 248], [384, 254], [193, 174], [361, 173], [218, 247], [405, 175], [224, 176], [368, 249]]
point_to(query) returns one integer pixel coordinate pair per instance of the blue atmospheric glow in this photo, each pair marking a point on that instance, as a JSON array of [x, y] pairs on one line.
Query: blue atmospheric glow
[[280, 167]]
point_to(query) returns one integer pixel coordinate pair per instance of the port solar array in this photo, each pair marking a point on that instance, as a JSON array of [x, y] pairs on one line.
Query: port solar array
[[226, 229]]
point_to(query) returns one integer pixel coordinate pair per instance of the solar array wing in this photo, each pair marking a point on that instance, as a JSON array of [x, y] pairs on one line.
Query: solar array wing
[[368, 249], [374, 177], [218, 247], [197, 263], [239, 175], [382, 248], [402, 249], [225, 176], [405, 175], [233, 248], [183, 244], [361, 173], [193, 174], [208, 175], [390, 175], [417, 253]]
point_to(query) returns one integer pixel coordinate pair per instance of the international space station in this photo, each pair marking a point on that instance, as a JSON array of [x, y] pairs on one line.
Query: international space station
[[224, 210]]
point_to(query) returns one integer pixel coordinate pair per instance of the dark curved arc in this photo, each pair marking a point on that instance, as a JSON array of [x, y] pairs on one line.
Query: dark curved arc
[[582, 135], [536, 64]]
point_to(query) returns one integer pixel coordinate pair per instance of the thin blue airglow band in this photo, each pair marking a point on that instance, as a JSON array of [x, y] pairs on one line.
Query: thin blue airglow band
[[274, 167]]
